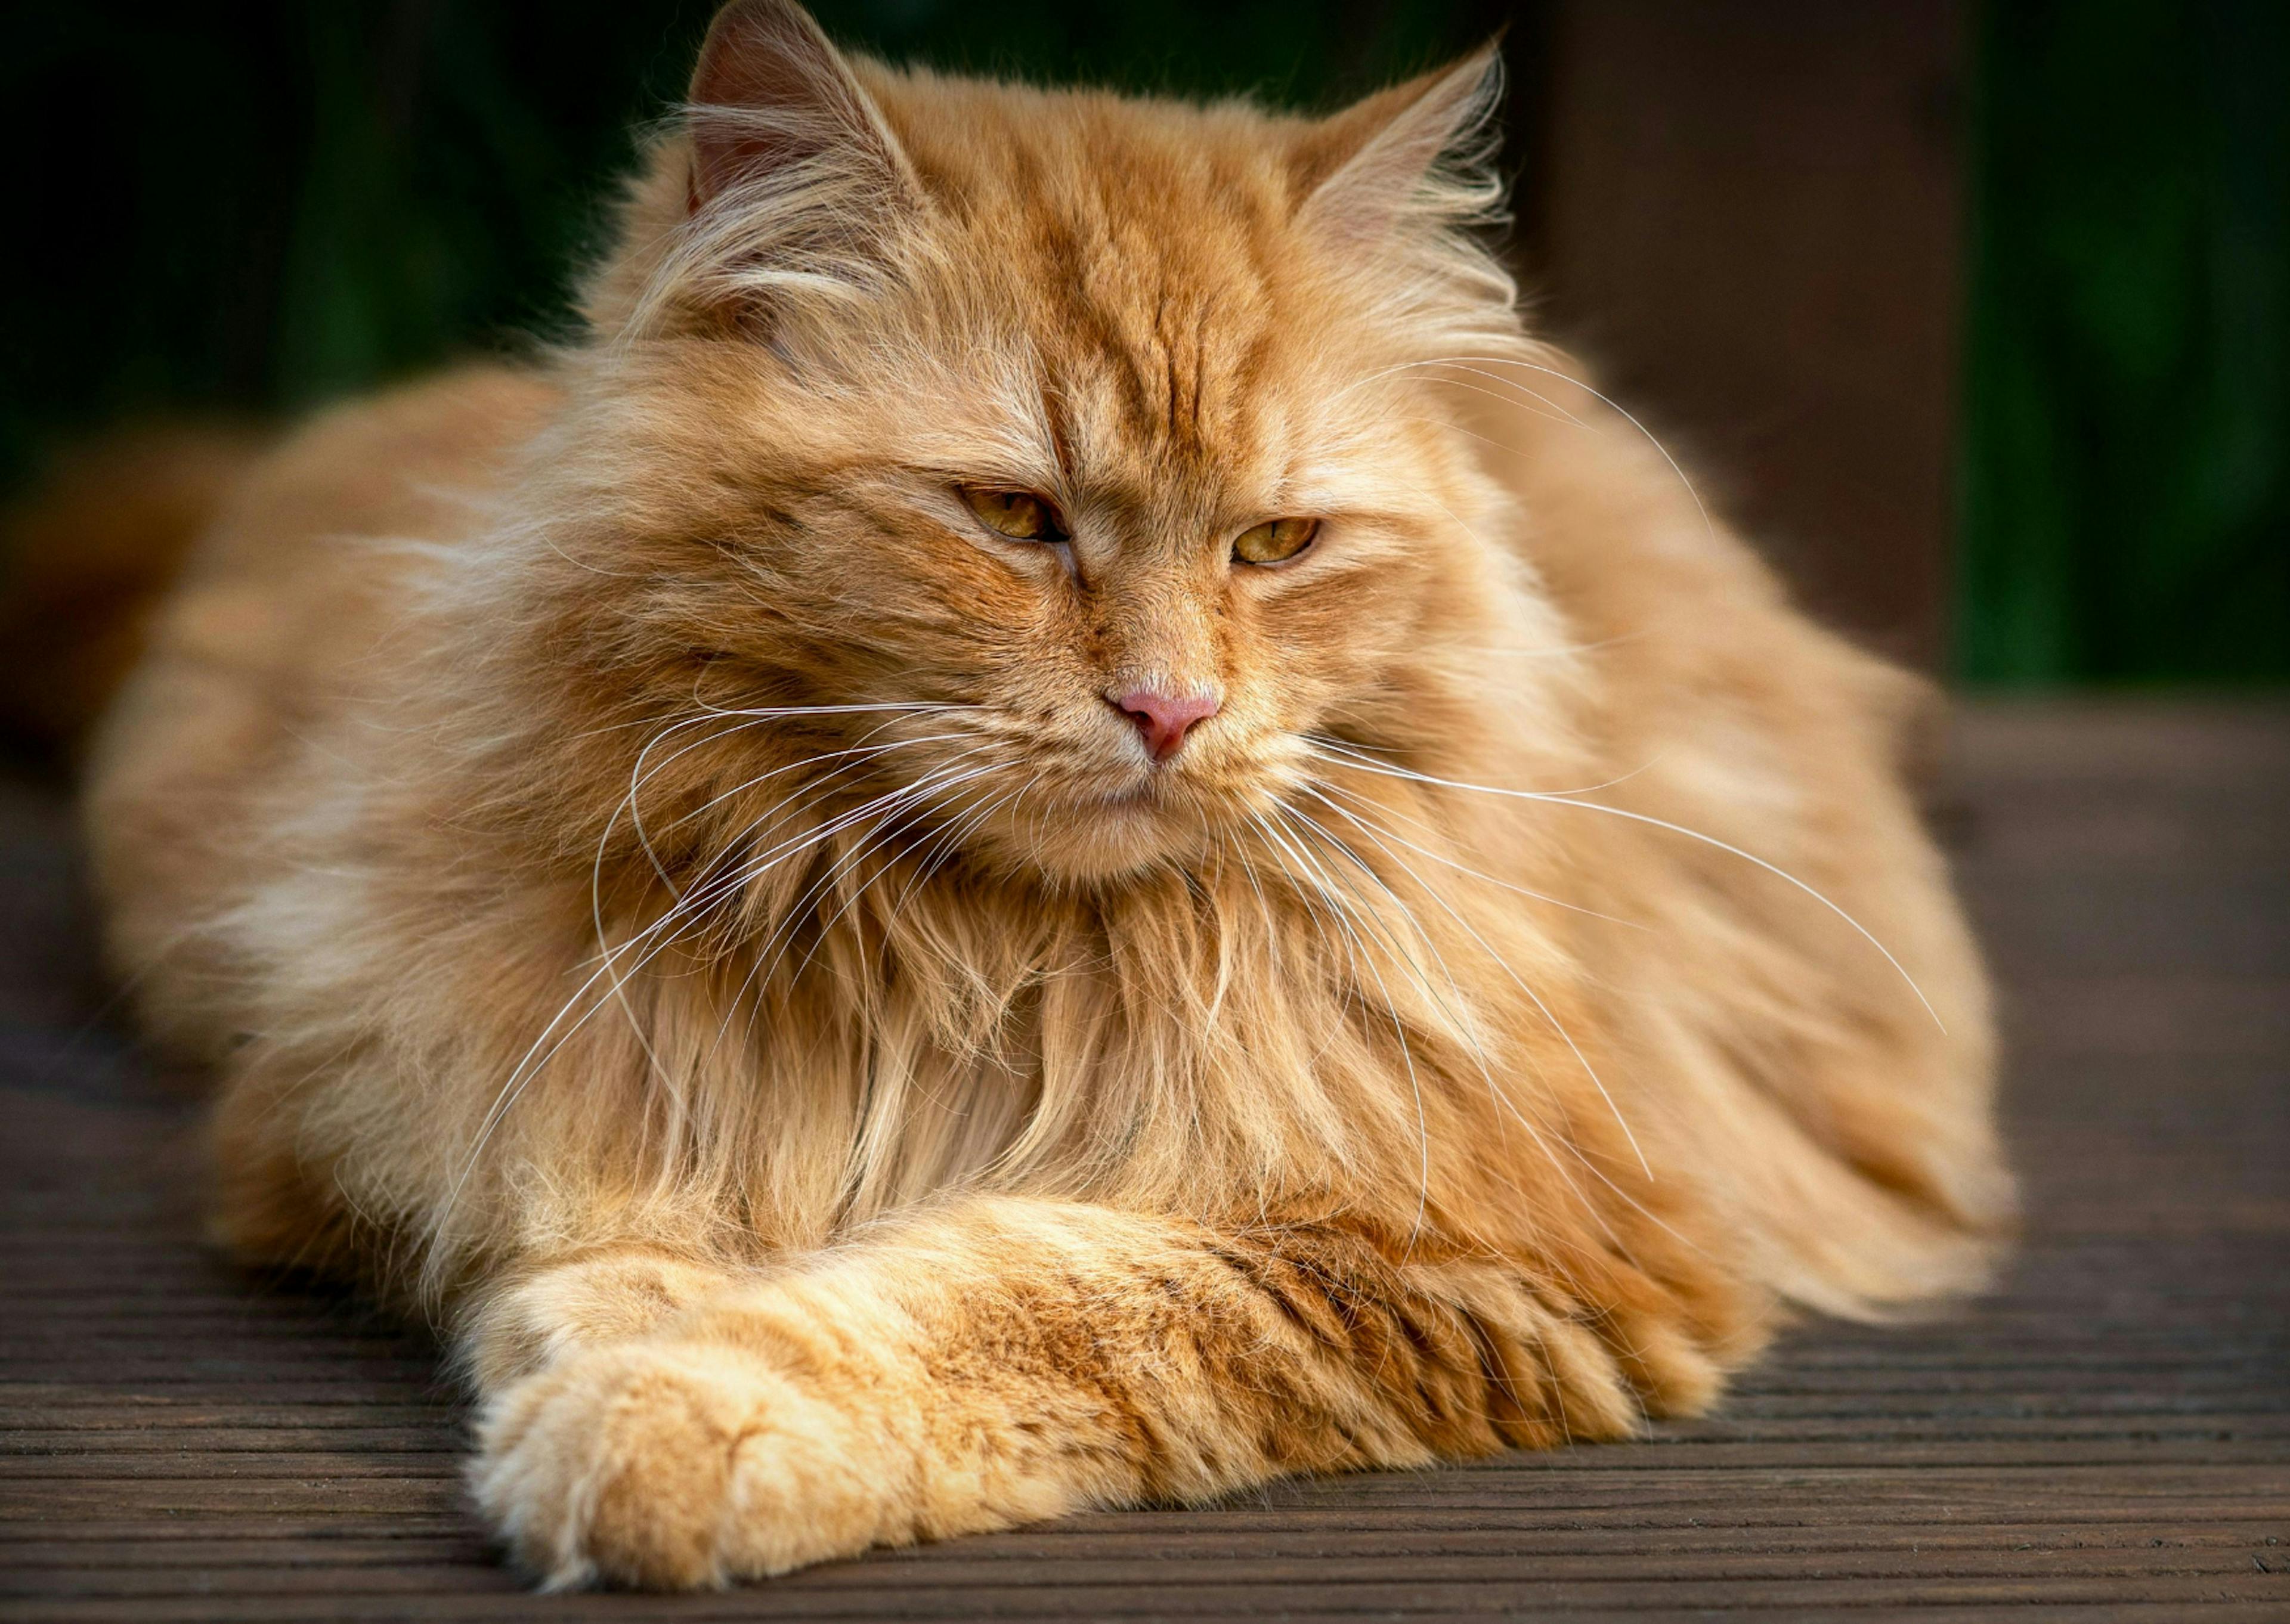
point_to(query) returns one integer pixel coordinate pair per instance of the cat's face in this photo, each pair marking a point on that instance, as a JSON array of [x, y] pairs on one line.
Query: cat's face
[[1136, 580], [1112, 465]]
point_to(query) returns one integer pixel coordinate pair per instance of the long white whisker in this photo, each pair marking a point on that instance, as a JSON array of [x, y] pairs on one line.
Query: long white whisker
[[888, 808], [1707, 524], [1364, 753], [542, 1048], [1364, 765], [1556, 1025], [905, 802], [1494, 1089], [755, 867], [1463, 363], [855, 755], [1398, 1026], [965, 818], [1465, 868]]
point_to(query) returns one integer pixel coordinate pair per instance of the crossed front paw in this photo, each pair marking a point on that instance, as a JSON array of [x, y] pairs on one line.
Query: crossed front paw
[[673, 1465]]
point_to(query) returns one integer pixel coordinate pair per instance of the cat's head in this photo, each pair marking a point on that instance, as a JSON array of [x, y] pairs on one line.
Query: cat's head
[[1099, 432]]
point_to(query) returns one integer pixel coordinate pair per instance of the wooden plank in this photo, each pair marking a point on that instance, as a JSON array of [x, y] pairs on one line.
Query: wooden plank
[[1815, 1439], [812, 1597], [1905, 1566]]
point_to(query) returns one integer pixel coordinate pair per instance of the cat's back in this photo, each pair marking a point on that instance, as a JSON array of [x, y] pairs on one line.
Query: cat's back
[[290, 612], [277, 582]]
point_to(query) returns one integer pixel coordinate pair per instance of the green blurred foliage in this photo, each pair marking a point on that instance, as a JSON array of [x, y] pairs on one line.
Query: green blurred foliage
[[262, 205], [2127, 432]]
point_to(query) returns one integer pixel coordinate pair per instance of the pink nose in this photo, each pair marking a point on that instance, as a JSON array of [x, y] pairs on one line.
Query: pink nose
[[1163, 718]]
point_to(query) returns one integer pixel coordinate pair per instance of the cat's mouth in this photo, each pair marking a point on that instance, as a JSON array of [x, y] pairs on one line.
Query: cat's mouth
[[1091, 827], [1143, 795], [1073, 815]]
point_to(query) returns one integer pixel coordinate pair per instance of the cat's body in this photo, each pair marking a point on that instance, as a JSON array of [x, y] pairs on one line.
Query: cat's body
[[664, 893]]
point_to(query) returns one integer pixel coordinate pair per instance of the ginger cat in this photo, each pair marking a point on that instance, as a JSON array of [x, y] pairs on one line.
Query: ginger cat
[[1055, 827]]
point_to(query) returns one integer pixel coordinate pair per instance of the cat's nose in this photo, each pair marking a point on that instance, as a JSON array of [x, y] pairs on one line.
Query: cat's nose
[[1164, 719]]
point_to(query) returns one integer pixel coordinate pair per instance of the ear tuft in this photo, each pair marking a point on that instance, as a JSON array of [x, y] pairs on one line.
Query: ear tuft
[[770, 95], [1422, 148]]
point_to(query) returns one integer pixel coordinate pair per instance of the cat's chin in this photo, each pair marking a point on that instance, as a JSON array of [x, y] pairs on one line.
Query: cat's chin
[[1113, 841], [1114, 837]]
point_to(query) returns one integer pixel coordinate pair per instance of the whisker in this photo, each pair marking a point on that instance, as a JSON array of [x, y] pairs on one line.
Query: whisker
[[1398, 1030], [1556, 1025], [542, 1048], [1364, 764], [738, 879], [773, 952], [1494, 1089], [1462, 363], [1461, 867], [1478, 1052], [857, 754], [966, 815]]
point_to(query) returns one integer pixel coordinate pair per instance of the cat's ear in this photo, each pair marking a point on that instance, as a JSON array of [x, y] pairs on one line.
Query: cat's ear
[[1422, 148], [773, 101]]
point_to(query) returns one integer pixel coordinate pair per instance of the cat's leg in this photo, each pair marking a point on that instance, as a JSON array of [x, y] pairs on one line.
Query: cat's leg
[[538, 1314], [1009, 1360]]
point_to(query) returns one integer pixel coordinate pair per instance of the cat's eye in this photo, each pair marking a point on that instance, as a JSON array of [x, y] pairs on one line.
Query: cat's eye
[[1275, 541], [1020, 515]]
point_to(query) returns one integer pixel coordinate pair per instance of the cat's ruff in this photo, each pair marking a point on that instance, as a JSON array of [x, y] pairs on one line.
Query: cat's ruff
[[879, 882]]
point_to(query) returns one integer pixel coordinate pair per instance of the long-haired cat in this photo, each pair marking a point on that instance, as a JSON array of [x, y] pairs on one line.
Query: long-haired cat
[[1056, 826]]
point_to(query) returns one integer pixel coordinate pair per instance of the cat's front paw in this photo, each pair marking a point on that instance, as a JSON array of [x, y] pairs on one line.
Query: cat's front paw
[[671, 1465]]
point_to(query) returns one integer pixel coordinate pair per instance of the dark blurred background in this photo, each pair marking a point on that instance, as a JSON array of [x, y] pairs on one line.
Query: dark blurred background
[[1977, 311]]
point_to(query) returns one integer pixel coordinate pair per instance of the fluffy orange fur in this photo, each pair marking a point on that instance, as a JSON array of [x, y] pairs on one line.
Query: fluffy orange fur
[[666, 889]]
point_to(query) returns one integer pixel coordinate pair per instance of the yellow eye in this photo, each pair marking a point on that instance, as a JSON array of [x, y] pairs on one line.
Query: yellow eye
[[1019, 515], [1275, 542]]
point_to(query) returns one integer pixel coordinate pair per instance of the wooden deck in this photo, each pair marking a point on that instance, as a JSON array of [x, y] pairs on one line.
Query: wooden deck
[[2110, 1434]]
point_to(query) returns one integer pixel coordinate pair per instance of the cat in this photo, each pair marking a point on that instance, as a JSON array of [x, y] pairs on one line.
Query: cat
[[1056, 825]]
